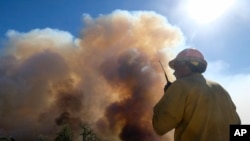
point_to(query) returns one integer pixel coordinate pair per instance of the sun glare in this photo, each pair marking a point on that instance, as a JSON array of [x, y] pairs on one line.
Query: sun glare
[[206, 11]]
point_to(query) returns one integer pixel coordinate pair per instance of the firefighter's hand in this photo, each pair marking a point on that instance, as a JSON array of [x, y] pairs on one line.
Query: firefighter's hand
[[167, 86]]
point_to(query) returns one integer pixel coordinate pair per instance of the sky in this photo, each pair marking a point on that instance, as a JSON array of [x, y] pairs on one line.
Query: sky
[[227, 35], [218, 28]]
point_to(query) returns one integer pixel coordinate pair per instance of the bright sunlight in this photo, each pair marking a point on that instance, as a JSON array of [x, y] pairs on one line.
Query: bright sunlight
[[206, 11]]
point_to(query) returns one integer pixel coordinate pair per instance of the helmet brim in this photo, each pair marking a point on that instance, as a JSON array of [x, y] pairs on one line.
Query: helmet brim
[[190, 59]]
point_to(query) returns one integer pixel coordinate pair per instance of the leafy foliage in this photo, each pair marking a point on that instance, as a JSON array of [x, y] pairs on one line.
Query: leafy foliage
[[65, 134], [88, 134]]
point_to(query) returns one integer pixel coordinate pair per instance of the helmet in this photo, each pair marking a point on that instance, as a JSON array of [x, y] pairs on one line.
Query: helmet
[[191, 55]]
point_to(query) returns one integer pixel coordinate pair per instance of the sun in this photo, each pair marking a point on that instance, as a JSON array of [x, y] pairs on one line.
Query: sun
[[206, 11]]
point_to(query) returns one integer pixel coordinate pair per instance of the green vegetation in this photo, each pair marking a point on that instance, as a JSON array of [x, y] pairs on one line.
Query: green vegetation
[[65, 134], [88, 134]]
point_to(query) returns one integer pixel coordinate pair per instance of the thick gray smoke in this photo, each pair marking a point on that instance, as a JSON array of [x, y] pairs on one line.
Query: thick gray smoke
[[109, 77]]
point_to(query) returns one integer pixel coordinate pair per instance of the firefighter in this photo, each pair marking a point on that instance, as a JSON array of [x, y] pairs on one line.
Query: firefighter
[[198, 109]]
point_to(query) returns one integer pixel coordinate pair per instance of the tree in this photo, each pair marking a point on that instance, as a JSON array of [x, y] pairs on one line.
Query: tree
[[88, 134], [65, 134]]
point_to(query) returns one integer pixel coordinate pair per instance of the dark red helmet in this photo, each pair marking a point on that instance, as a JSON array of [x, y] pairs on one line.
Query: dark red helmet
[[190, 54]]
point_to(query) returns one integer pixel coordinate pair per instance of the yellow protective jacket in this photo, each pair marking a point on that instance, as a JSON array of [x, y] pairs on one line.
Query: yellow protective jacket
[[198, 110]]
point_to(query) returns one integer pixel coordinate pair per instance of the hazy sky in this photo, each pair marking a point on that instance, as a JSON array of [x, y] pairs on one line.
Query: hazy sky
[[221, 33]]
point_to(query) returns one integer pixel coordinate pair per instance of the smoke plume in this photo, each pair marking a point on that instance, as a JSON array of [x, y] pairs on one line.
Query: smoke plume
[[109, 77]]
